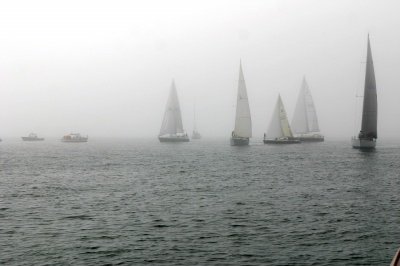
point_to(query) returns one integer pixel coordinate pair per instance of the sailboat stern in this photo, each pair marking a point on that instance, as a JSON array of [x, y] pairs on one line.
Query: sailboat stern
[[358, 143], [173, 138], [238, 141]]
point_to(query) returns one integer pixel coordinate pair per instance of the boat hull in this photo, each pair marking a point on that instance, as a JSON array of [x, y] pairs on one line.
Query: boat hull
[[74, 141], [282, 141], [310, 138], [240, 141], [366, 144], [173, 139], [32, 139]]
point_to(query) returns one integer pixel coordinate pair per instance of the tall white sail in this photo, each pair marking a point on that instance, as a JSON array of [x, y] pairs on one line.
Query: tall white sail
[[243, 118], [305, 117], [279, 126], [172, 122]]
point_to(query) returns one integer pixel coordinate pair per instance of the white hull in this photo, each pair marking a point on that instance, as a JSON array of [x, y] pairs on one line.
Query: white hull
[[310, 137], [173, 138], [363, 143]]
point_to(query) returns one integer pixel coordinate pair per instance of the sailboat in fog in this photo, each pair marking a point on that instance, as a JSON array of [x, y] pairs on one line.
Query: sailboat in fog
[[279, 131], [366, 139], [242, 131], [172, 127], [305, 122], [196, 134]]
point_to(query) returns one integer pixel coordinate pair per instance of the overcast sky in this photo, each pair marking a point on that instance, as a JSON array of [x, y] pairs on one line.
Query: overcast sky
[[104, 68]]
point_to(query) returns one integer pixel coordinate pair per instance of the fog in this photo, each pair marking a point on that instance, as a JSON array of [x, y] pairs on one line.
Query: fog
[[104, 68]]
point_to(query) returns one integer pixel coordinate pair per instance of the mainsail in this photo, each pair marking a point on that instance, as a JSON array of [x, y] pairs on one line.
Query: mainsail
[[305, 116], [172, 122], [279, 126], [243, 118], [369, 114]]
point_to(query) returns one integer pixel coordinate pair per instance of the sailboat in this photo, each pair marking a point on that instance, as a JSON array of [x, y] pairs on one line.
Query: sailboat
[[195, 134], [242, 131], [305, 121], [279, 131], [172, 128], [366, 139]]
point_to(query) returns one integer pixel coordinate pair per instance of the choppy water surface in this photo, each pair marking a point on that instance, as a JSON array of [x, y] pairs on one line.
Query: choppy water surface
[[203, 202]]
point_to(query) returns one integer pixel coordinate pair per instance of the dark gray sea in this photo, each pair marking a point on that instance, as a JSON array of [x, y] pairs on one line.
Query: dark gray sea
[[139, 202]]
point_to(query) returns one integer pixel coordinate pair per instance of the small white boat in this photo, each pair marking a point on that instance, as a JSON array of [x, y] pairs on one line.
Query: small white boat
[[74, 137], [196, 134], [366, 139]]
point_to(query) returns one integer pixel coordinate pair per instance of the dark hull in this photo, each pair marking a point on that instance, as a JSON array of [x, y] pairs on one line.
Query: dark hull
[[239, 141], [32, 139], [363, 144], [173, 139], [311, 139], [281, 141]]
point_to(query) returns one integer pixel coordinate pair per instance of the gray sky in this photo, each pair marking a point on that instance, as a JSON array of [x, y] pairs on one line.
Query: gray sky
[[104, 68]]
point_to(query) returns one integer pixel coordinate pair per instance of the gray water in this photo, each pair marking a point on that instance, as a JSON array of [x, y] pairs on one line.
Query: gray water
[[204, 202]]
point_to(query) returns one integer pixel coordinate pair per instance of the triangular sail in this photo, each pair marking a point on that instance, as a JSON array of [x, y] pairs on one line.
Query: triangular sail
[[243, 118], [305, 117], [172, 122], [279, 126], [369, 114]]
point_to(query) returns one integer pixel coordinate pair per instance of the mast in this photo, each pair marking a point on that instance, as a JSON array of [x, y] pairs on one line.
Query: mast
[[370, 103], [243, 118]]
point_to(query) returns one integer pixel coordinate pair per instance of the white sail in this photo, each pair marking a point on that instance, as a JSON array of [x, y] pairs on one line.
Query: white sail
[[305, 117], [279, 126], [172, 122], [243, 118]]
